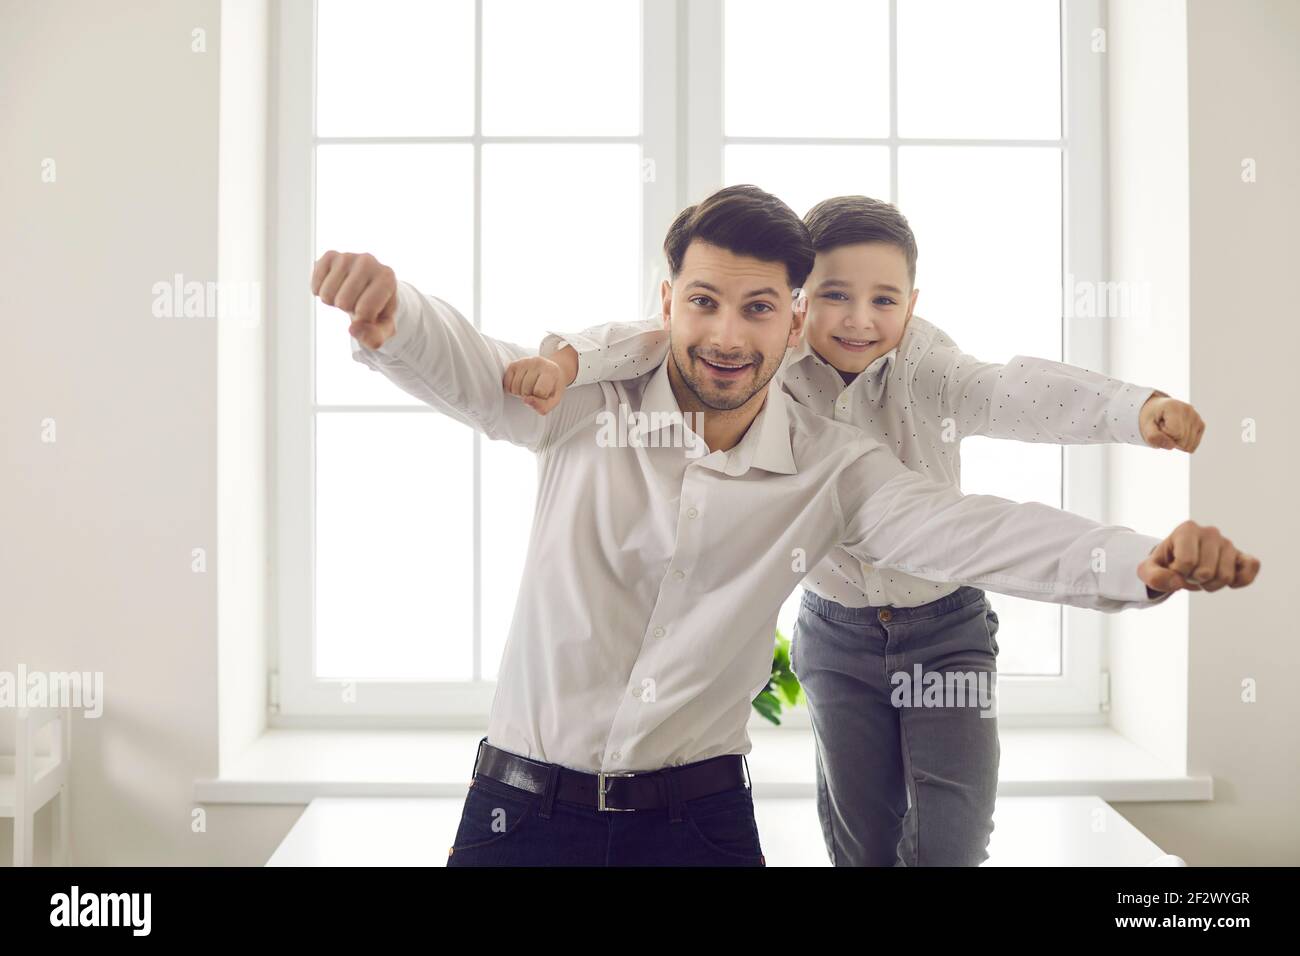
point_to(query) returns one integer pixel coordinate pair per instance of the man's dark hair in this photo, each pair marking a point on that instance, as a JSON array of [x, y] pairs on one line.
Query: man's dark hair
[[746, 221], [845, 220]]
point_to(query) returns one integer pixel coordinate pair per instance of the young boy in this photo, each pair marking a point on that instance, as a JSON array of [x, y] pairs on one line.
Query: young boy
[[896, 784]]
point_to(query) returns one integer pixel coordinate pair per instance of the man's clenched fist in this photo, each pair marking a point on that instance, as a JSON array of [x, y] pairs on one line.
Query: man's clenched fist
[[1168, 423], [361, 286], [538, 380], [1199, 559]]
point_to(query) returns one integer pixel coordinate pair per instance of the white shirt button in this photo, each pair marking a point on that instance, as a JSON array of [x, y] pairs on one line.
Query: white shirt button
[[679, 574], [616, 756], [659, 632], [691, 513]]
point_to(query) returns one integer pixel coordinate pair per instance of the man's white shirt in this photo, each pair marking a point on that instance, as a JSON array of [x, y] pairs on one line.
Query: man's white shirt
[[920, 405], [644, 623]]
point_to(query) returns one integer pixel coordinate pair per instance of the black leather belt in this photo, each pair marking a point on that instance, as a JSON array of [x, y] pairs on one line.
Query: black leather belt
[[643, 790]]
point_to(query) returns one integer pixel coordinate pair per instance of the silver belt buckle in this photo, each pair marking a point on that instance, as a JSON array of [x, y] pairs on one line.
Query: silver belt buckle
[[600, 792]]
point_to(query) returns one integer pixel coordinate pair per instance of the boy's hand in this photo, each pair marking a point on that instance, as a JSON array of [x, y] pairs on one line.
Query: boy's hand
[[1168, 423], [539, 381], [361, 286], [1199, 559]]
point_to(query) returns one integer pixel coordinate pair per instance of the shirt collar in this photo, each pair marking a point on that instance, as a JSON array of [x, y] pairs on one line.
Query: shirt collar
[[873, 377], [765, 444]]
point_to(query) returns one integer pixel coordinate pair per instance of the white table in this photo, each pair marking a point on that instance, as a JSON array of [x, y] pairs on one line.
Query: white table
[[1028, 831]]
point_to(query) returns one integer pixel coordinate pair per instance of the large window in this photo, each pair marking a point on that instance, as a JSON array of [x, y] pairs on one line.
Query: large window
[[522, 159]]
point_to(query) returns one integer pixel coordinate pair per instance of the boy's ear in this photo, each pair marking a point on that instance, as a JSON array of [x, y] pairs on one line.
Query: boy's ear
[[666, 295], [912, 305]]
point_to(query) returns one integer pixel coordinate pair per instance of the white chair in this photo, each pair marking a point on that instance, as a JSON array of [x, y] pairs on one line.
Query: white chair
[[29, 780]]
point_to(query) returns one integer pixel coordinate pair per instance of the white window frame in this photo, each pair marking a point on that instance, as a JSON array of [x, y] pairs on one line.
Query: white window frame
[[682, 134]]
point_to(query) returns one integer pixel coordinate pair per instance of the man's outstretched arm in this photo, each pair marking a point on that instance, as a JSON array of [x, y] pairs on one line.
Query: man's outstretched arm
[[428, 349], [893, 517]]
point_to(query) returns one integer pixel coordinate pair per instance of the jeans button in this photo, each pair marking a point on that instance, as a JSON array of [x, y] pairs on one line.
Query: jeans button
[[886, 615]]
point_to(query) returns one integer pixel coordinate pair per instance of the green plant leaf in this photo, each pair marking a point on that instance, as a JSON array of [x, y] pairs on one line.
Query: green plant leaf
[[782, 686], [768, 706]]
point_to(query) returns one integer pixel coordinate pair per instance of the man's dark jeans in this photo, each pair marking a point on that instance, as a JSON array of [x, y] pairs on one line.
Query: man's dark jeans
[[503, 825]]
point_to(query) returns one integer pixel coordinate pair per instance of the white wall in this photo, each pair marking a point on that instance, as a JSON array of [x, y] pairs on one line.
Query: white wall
[[1146, 57], [1243, 79], [242, 387], [98, 527]]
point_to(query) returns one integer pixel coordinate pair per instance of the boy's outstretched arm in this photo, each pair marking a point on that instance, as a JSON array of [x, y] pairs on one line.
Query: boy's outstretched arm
[[894, 517], [610, 352], [1038, 400]]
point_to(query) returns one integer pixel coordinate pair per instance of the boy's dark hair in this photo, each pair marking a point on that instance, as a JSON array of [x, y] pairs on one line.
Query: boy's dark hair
[[845, 220], [747, 221]]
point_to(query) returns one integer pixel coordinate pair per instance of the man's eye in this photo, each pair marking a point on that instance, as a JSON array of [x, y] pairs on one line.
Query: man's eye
[[703, 301], [761, 306], [835, 296]]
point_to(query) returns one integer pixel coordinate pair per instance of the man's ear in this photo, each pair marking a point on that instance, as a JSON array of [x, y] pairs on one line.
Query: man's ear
[[799, 315], [666, 295]]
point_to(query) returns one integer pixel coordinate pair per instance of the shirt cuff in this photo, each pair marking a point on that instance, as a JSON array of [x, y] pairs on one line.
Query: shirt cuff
[[589, 370], [404, 321], [1124, 413], [1119, 580]]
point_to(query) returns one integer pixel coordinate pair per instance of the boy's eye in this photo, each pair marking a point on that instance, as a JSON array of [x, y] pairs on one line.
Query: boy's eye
[[884, 300], [835, 296]]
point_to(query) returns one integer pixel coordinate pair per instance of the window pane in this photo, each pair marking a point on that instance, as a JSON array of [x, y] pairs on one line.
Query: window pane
[[818, 69], [561, 238], [988, 70], [988, 226], [509, 476], [393, 535], [1029, 635], [412, 207], [395, 68], [805, 175], [562, 68]]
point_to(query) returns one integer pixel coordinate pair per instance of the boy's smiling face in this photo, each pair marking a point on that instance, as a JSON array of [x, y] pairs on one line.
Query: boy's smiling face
[[860, 299]]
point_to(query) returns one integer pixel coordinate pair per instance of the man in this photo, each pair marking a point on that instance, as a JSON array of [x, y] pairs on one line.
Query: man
[[653, 579]]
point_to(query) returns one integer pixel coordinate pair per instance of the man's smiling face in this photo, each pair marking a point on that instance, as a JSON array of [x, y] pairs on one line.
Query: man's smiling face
[[730, 323], [860, 298]]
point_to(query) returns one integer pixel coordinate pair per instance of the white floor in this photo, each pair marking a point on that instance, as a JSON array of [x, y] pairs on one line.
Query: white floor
[[401, 831]]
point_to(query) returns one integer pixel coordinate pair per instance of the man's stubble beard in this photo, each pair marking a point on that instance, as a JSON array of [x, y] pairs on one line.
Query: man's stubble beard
[[696, 386]]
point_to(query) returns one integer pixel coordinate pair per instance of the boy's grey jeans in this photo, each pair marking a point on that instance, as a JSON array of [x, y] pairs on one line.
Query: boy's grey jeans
[[907, 768]]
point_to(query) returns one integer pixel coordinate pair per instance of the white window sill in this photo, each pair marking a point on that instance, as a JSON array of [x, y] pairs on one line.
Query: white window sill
[[296, 766]]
